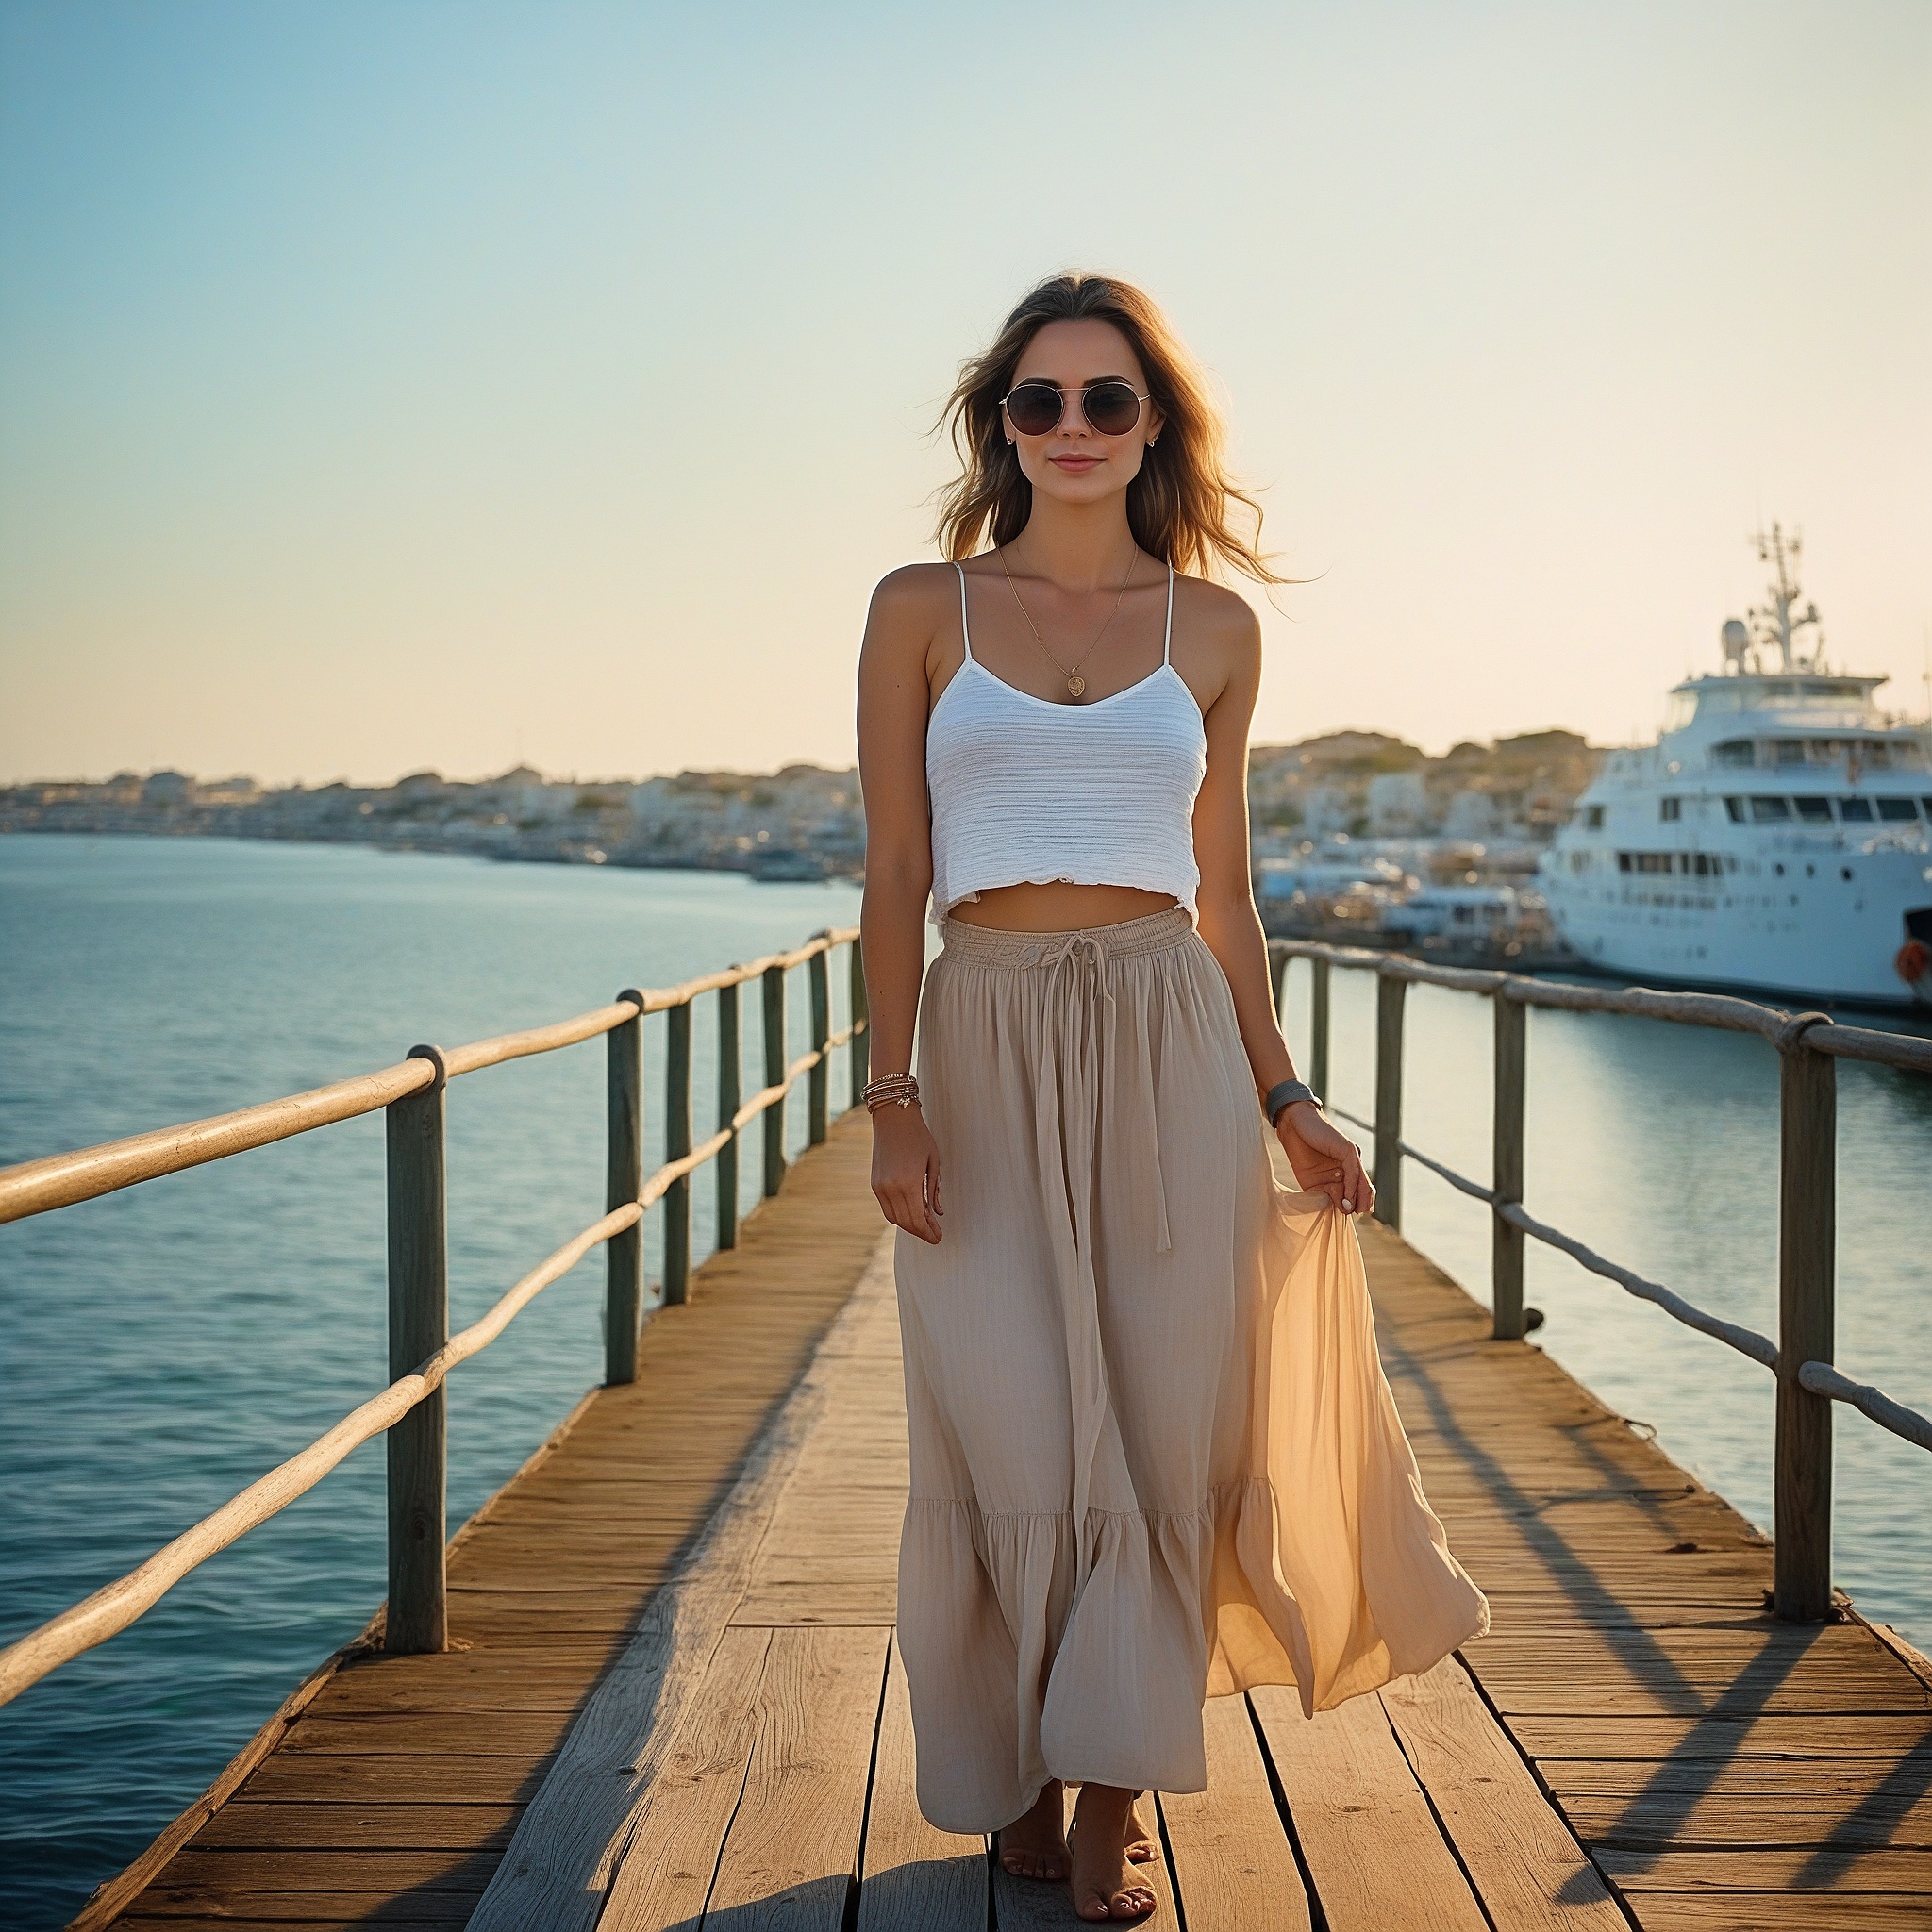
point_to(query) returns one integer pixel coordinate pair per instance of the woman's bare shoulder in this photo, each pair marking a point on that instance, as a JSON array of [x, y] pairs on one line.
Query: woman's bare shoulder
[[915, 592], [1218, 625], [1215, 610]]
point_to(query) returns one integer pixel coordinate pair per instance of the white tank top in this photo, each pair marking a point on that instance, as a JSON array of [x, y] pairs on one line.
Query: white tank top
[[1026, 790]]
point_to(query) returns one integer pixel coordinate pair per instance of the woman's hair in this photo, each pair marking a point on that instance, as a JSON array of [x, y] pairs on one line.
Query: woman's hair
[[1181, 505]]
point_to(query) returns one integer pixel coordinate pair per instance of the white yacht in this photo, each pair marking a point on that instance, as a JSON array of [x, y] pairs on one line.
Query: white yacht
[[1778, 837]]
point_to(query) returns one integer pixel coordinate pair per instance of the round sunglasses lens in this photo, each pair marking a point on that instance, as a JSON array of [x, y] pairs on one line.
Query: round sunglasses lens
[[1034, 409], [1113, 407]]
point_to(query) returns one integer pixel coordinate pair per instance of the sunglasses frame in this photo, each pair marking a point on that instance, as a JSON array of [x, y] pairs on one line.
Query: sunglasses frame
[[1082, 394]]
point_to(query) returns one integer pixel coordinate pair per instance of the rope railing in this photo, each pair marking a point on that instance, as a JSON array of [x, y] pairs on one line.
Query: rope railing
[[59, 1180], [418, 1084], [1748, 1342], [1807, 1045]]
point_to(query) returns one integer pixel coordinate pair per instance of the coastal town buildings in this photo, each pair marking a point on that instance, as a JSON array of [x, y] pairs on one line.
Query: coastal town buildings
[[1344, 825]]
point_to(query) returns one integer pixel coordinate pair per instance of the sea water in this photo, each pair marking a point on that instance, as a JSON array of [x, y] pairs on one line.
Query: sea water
[[162, 1347]]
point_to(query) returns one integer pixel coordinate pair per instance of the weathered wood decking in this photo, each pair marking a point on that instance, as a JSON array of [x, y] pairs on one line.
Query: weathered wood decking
[[673, 1729]]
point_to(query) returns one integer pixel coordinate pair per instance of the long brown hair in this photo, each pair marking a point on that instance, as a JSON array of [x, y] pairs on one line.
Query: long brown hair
[[1182, 505]]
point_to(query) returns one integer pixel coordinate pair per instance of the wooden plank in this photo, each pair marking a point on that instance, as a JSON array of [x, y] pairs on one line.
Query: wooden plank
[[912, 1873], [170, 1903], [790, 1857], [1551, 1740], [1765, 1911], [584, 1825], [1523, 1861], [455, 1869], [673, 1856], [406, 1824], [1233, 1866], [1803, 1871], [1902, 1821], [1373, 1850]]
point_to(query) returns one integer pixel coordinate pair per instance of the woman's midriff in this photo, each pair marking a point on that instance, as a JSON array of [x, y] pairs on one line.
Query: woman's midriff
[[1058, 907]]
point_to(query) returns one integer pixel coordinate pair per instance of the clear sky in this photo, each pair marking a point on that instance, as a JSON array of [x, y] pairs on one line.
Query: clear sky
[[398, 385]]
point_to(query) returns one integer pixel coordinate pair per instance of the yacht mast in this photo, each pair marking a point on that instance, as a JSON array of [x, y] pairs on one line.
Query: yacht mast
[[1778, 621]]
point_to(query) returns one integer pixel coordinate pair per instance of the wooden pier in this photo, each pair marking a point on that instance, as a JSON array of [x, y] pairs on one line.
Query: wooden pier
[[672, 1696]]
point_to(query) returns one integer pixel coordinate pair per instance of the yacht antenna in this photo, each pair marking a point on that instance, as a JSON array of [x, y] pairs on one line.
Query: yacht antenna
[[1780, 621]]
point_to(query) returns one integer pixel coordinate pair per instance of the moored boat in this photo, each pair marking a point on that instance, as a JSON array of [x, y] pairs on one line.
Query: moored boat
[[1776, 837]]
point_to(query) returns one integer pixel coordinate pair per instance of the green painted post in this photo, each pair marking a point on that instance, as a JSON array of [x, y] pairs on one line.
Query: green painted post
[[623, 1180], [418, 1617], [775, 1071], [676, 1145], [1390, 995], [818, 1082], [728, 1098], [861, 1038]]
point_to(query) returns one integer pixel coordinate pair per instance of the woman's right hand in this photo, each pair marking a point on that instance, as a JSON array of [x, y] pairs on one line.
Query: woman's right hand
[[906, 1170]]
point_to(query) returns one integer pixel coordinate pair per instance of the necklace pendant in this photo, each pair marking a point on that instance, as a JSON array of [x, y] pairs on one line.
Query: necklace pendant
[[1077, 685]]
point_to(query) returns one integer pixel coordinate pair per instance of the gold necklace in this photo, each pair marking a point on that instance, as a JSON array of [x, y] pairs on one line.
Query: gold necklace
[[1075, 683]]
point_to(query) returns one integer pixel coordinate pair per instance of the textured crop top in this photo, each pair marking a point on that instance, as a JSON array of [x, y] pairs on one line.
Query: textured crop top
[[1026, 790]]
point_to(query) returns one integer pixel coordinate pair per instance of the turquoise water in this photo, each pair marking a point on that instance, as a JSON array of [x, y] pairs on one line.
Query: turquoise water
[[162, 1347]]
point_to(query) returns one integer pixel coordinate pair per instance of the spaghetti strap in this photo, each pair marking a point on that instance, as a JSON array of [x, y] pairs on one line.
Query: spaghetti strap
[[1167, 643], [965, 629]]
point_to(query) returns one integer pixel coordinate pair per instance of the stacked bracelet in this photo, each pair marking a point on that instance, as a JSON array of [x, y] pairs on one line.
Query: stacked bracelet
[[889, 1090], [1284, 1093]]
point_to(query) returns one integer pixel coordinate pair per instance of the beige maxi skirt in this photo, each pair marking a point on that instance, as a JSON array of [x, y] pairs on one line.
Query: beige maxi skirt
[[1155, 1458]]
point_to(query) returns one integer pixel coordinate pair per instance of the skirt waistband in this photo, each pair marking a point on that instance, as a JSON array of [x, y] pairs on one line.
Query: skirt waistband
[[987, 945]]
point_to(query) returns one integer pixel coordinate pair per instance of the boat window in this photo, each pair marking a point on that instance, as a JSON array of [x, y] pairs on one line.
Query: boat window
[[1622, 861], [1670, 809], [1593, 817], [1855, 810], [1897, 808], [1791, 751], [1928, 804], [1654, 862], [1734, 751], [1816, 811], [1734, 811], [1680, 710], [1768, 810]]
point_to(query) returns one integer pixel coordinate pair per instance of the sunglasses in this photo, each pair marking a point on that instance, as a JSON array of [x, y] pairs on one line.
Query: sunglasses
[[1036, 409]]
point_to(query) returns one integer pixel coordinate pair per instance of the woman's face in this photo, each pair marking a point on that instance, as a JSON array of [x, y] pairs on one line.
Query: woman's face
[[1075, 462]]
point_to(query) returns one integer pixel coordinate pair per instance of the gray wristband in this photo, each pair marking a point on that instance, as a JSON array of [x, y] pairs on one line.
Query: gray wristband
[[1285, 1094]]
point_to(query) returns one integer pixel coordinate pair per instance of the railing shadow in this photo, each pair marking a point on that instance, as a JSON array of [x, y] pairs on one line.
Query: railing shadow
[[817, 1902], [1570, 1570]]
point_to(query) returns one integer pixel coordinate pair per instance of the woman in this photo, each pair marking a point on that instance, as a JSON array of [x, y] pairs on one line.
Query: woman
[[1153, 1458]]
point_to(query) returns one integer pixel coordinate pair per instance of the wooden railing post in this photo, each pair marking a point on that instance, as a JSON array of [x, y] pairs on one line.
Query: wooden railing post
[[775, 1071], [1389, 994], [728, 1098], [1506, 1169], [862, 1040], [818, 1081], [1807, 1212], [623, 1180], [676, 1145], [1318, 1029], [418, 1619]]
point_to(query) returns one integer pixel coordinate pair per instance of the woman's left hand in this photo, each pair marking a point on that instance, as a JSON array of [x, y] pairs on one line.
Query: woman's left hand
[[1325, 1159]]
